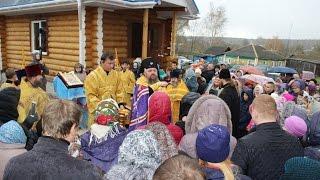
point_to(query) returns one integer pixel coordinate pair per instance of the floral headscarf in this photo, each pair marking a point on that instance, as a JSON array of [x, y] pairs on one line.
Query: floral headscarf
[[167, 145], [106, 111], [139, 157]]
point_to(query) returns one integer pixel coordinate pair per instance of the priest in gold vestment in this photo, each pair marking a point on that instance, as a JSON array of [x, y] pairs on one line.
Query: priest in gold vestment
[[128, 80], [103, 83], [31, 92], [150, 70], [176, 90]]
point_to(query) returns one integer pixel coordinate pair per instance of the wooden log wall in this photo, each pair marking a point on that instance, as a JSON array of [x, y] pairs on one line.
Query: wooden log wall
[[63, 40], [17, 41], [3, 40], [91, 36], [115, 33]]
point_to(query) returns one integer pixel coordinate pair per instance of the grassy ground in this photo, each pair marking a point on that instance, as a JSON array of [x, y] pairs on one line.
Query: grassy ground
[[318, 79]]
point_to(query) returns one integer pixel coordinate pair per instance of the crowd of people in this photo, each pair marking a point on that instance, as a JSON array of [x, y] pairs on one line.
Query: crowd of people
[[202, 122]]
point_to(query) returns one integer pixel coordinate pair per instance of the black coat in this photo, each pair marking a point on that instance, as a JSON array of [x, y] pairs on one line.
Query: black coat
[[208, 75], [49, 159], [229, 94], [263, 153]]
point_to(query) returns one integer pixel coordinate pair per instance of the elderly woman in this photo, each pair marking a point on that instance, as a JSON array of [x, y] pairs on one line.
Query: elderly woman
[[297, 89], [12, 142], [101, 144]]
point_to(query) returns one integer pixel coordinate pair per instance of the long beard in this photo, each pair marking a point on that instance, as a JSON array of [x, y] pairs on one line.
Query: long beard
[[153, 81]]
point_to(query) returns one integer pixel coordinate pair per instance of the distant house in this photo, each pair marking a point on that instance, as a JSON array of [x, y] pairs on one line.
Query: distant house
[[252, 55], [212, 54], [71, 31], [304, 65]]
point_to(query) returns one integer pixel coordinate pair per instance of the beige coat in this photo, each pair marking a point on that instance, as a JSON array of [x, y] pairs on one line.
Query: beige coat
[[7, 151]]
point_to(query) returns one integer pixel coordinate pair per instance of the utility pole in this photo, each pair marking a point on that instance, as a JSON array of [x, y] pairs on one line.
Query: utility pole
[[288, 51]]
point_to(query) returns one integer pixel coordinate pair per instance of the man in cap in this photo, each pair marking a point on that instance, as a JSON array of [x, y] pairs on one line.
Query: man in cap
[[176, 90], [128, 80], [32, 92], [230, 95], [149, 70], [103, 83]]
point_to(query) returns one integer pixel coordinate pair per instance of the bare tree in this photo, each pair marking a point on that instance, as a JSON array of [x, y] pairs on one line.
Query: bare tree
[[275, 44], [196, 30], [182, 26], [215, 21]]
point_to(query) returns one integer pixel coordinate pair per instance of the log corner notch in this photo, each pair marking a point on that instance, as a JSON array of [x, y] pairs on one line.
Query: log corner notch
[[173, 35], [145, 34]]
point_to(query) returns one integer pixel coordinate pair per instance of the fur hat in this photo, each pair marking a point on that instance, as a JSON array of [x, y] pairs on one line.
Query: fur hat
[[33, 70], [224, 74]]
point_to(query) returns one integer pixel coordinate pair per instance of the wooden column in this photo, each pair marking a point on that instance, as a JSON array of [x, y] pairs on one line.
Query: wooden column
[[173, 34], [145, 34]]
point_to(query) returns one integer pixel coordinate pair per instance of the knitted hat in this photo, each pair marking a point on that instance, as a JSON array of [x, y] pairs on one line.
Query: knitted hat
[[213, 143], [295, 126], [106, 111], [12, 133], [224, 74], [301, 168], [9, 99], [33, 70]]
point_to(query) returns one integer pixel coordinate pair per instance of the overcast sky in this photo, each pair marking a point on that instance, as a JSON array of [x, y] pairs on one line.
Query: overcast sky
[[268, 18]]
